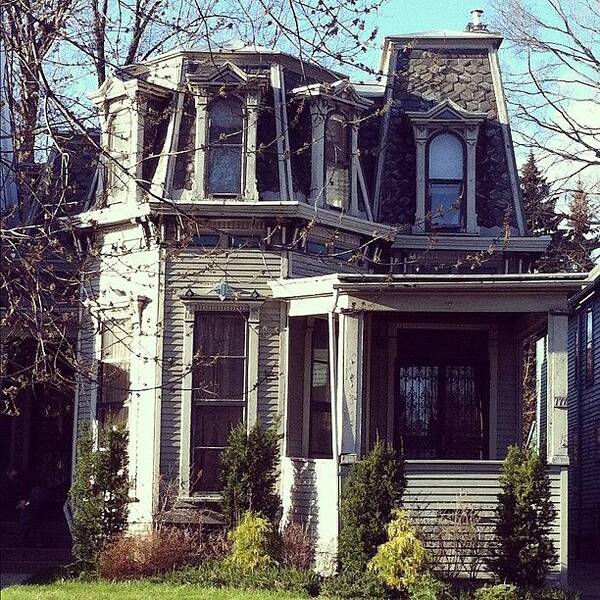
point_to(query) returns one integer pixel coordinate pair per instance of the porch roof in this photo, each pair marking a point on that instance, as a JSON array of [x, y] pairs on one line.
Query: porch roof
[[537, 292]]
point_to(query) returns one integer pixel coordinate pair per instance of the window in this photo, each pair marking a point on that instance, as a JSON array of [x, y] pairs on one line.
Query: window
[[186, 144], [113, 373], [320, 395], [337, 161], [446, 182], [440, 408], [219, 391], [117, 161], [224, 153], [589, 347]]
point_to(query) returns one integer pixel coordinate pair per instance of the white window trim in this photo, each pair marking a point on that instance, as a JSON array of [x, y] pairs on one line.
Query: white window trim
[[203, 95], [192, 306], [446, 116]]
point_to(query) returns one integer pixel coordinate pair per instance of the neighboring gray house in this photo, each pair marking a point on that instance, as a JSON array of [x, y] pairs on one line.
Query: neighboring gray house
[[276, 243], [584, 421]]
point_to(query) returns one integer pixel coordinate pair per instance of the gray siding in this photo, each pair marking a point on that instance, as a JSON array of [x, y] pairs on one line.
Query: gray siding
[[306, 265], [584, 443], [508, 393], [202, 271], [436, 486]]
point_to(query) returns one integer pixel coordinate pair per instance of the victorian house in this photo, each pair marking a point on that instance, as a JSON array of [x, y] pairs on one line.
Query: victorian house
[[275, 243]]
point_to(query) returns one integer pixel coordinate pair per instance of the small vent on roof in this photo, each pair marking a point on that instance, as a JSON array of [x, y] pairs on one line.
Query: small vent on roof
[[476, 23]]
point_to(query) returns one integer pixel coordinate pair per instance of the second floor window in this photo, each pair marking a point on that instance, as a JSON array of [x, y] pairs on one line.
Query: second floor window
[[337, 161], [446, 182], [225, 147]]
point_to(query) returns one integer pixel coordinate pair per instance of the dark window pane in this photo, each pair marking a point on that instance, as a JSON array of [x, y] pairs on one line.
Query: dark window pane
[[111, 414], [212, 424], [320, 433], [186, 146], [224, 170], [446, 201], [114, 382], [219, 378], [206, 470], [226, 121], [337, 141], [220, 334]]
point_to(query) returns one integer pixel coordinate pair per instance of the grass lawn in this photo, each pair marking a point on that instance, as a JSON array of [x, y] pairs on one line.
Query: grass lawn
[[133, 591]]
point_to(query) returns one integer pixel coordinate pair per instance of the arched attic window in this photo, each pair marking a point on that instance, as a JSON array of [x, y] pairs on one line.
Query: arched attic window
[[337, 160], [446, 181], [224, 153]]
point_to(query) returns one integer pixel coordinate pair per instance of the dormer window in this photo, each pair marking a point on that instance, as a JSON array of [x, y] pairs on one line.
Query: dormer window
[[225, 147], [446, 156], [446, 182], [338, 152]]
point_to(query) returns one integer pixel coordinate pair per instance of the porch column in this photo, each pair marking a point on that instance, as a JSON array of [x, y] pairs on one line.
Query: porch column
[[349, 384], [557, 376]]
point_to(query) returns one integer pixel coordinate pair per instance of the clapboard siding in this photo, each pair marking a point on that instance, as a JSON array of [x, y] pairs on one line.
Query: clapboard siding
[[306, 265], [584, 443], [202, 271], [308, 492], [434, 489], [508, 393]]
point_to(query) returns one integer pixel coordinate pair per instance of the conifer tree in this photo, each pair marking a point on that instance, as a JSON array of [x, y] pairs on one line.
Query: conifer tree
[[581, 239], [523, 552], [372, 490], [249, 474]]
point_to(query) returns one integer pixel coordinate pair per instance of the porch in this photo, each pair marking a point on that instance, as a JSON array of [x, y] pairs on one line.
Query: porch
[[431, 363]]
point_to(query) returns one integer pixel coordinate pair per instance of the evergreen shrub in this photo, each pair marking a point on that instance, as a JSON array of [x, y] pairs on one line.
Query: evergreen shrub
[[371, 491], [400, 562], [99, 495], [427, 587], [249, 474], [353, 585], [254, 543], [523, 551], [502, 591]]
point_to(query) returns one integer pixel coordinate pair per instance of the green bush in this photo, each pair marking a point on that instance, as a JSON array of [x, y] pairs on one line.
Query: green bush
[[523, 552], [249, 474], [551, 593], [222, 574], [254, 544], [99, 495], [353, 585], [400, 562], [373, 488], [427, 587], [503, 591]]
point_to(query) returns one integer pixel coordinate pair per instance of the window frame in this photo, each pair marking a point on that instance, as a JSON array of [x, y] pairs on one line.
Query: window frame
[[100, 404], [193, 304], [241, 145], [199, 402], [588, 349], [348, 128], [430, 225]]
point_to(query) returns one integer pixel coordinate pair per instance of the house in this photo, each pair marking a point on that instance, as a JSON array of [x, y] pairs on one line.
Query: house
[[584, 421], [273, 242]]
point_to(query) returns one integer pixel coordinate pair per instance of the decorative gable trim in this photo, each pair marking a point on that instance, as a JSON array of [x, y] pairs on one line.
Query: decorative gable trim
[[224, 74], [446, 111], [340, 91]]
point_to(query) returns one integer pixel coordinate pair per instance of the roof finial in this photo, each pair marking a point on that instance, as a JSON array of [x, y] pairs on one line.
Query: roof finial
[[476, 24]]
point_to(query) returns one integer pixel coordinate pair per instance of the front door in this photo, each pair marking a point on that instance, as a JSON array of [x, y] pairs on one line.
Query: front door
[[441, 394]]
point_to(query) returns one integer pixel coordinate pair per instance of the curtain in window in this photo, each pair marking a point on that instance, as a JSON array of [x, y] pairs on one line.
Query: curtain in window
[[225, 147], [446, 181], [219, 391]]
